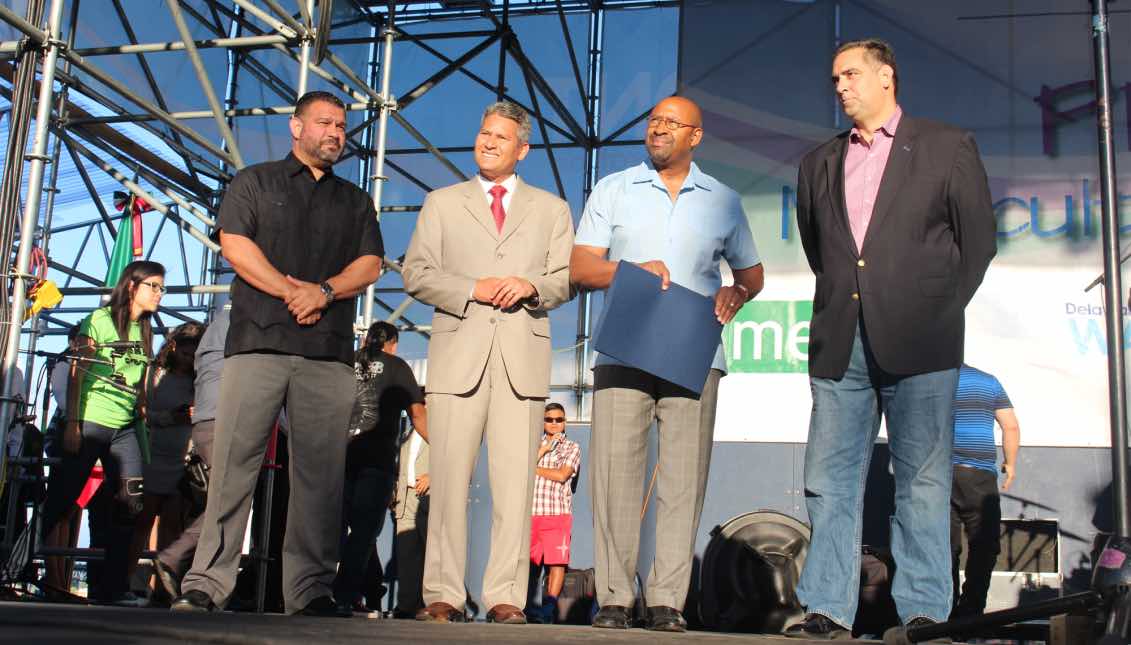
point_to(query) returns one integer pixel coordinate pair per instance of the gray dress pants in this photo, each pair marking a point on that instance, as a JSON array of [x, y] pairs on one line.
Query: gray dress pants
[[625, 403], [319, 398]]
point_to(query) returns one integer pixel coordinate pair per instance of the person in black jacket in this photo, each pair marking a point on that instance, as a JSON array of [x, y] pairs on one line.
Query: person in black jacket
[[897, 225]]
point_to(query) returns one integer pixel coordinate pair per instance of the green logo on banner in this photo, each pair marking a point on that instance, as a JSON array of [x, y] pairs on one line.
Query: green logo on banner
[[770, 336]]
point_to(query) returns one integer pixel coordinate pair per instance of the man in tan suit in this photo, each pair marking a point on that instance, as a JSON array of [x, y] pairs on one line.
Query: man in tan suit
[[492, 256], [411, 515]]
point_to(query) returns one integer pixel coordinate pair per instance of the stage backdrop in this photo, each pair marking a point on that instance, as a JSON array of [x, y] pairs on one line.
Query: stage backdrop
[[1018, 75]]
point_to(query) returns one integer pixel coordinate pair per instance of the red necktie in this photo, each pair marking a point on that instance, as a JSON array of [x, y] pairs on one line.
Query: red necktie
[[497, 192]]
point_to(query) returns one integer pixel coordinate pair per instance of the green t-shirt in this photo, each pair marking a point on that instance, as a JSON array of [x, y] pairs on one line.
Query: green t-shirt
[[100, 401]]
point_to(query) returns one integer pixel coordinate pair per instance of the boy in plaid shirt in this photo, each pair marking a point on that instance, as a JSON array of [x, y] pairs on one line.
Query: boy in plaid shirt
[[551, 524]]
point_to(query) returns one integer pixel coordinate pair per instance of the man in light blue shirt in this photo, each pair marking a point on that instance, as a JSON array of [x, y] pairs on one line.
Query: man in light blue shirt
[[677, 222]]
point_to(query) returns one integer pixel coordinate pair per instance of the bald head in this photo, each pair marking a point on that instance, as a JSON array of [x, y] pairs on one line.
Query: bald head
[[683, 106], [675, 127]]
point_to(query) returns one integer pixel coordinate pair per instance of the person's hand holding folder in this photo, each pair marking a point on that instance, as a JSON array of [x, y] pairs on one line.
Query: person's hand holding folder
[[657, 267], [638, 321], [728, 300]]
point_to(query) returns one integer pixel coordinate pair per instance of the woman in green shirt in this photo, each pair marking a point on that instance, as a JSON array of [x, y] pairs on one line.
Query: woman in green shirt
[[115, 345]]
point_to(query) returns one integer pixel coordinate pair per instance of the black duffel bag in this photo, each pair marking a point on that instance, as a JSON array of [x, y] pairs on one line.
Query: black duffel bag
[[575, 602]]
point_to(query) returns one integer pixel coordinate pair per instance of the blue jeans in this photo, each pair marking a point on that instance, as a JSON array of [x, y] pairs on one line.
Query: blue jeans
[[842, 430], [366, 496]]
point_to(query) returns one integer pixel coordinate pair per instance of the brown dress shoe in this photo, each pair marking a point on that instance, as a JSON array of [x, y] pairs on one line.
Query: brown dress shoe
[[441, 612], [507, 615]]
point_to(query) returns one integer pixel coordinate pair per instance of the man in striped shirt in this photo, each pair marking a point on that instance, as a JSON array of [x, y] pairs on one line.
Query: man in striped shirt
[[974, 502]]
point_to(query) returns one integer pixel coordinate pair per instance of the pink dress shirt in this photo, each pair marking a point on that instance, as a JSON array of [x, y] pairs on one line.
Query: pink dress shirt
[[863, 169]]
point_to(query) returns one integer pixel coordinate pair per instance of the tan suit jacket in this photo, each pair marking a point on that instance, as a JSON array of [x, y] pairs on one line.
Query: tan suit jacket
[[402, 475], [456, 243], [488, 373]]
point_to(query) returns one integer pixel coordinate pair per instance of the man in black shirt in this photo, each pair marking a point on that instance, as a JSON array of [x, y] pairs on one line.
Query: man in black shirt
[[303, 243], [386, 387]]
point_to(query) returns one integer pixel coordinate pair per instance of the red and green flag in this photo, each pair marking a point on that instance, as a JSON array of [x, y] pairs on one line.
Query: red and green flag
[[128, 245]]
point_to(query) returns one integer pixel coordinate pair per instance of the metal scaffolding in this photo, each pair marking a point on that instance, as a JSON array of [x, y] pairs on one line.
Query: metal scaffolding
[[83, 110]]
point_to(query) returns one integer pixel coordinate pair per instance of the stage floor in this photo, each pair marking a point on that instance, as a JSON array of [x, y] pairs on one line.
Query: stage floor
[[50, 624]]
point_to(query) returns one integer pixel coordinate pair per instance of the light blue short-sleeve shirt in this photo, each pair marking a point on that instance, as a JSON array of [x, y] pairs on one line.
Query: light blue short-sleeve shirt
[[631, 214]]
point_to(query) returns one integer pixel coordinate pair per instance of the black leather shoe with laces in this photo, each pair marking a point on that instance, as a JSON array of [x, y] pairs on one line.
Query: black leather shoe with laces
[[612, 617], [818, 627], [665, 619]]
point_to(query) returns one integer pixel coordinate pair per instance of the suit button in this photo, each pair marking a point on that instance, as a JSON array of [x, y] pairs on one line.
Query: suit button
[[855, 296], [860, 263], [499, 256], [492, 321]]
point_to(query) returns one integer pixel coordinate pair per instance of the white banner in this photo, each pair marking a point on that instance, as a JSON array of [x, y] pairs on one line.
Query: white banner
[[1022, 85]]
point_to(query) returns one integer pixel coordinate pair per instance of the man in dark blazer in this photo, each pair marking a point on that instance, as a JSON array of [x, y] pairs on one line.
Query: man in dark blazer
[[897, 225]]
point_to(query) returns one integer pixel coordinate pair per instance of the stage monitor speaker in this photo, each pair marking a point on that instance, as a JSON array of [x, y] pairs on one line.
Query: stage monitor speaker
[[750, 571]]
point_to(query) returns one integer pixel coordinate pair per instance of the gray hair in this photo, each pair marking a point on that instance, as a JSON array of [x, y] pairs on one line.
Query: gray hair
[[509, 110]]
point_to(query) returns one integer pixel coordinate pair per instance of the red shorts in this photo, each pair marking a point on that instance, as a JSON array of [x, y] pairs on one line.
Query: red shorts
[[549, 539]]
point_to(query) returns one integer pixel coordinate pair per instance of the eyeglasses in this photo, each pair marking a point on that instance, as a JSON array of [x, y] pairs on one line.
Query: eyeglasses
[[156, 286], [554, 419], [670, 124]]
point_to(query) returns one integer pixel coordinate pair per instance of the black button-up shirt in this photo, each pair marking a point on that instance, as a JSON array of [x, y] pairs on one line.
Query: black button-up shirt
[[307, 229]]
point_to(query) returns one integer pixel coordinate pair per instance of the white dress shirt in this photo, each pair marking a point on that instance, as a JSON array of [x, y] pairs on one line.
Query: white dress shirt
[[510, 183]]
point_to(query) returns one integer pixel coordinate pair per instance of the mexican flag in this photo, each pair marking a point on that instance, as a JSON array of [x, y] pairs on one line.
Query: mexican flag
[[128, 244]]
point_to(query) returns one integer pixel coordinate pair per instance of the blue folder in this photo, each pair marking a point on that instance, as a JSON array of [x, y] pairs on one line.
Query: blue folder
[[672, 334]]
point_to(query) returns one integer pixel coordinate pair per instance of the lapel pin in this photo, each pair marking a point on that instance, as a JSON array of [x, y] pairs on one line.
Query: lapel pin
[[907, 148]]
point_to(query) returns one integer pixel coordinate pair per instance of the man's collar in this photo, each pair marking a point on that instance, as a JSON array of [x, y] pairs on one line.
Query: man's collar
[[888, 128], [294, 166], [646, 172], [510, 183]]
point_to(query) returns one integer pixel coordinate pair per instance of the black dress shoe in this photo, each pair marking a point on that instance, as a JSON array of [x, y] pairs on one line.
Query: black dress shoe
[[612, 617], [325, 607], [194, 601], [818, 627], [923, 621], [665, 619]]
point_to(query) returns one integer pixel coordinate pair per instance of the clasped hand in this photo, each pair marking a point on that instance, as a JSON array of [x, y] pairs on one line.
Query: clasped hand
[[305, 301], [503, 293]]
